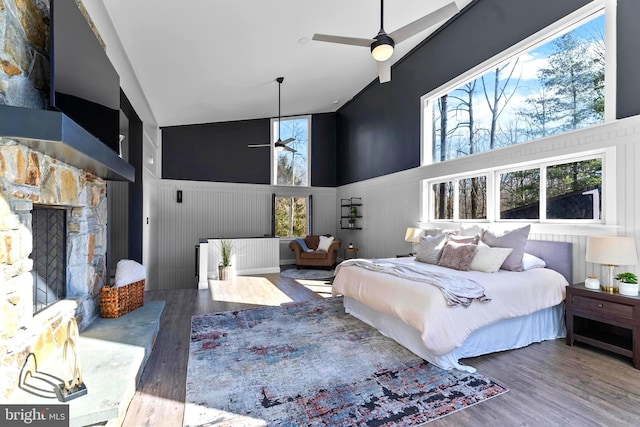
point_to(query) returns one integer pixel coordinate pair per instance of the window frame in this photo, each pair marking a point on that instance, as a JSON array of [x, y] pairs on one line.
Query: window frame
[[274, 158], [608, 159], [308, 219], [556, 29]]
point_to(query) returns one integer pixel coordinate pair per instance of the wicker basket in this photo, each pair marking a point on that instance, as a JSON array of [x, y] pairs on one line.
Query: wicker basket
[[116, 301]]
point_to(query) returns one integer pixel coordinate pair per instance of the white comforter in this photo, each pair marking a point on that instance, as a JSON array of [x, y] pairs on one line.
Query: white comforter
[[423, 307]]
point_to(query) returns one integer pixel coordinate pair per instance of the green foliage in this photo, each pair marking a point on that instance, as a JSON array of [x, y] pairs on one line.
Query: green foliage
[[627, 278], [226, 249], [291, 216]]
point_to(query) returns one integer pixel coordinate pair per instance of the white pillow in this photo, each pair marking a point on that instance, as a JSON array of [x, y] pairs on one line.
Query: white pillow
[[129, 271], [531, 261], [325, 242], [489, 259]]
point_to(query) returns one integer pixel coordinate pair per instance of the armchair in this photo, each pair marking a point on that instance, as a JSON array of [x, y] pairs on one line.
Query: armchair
[[315, 258]]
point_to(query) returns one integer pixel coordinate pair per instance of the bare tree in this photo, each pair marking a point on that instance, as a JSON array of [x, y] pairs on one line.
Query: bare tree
[[499, 96]]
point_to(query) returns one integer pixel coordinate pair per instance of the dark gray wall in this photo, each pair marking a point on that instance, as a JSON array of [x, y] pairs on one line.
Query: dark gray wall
[[628, 36], [379, 130], [323, 150], [218, 151]]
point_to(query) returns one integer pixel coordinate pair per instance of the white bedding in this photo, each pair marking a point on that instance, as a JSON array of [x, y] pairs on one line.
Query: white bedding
[[422, 307]]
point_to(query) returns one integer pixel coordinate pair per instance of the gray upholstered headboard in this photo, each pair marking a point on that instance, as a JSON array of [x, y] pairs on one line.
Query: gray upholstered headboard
[[557, 255]]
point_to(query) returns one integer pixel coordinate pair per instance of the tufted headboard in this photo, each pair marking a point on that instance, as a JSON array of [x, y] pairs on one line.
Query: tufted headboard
[[557, 255]]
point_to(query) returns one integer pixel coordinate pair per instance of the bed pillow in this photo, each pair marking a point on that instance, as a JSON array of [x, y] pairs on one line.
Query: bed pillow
[[325, 242], [430, 248], [531, 261], [458, 255], [488, 259], [464, 239], [514, 239], [470, 230]]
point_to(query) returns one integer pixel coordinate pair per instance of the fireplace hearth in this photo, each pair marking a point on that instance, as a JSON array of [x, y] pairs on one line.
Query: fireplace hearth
[[30, 180]]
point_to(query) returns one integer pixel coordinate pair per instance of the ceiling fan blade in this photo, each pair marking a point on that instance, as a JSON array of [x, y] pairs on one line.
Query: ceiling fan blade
[[354, 41], [384, 71], [289, 149], [258, 145], [425, 22], [288, 140]]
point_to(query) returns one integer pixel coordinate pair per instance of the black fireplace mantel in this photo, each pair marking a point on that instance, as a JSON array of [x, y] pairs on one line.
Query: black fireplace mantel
[[55, 134]]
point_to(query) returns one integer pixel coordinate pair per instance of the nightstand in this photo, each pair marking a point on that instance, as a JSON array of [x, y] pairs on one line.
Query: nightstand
[[350, 253], [604, 320]]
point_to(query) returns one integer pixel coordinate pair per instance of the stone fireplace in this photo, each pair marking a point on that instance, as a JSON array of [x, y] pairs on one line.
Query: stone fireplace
[[28, 177]]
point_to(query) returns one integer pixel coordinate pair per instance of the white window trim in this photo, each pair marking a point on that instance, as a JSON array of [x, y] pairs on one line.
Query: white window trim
[[274, 138], [554, 30], [607, 155]]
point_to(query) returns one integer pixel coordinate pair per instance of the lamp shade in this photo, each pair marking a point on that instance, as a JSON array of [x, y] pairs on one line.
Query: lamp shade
[[611, 250], [413, 235]]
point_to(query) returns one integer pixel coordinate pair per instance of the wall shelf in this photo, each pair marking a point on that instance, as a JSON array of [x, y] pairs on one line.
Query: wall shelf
[[351, 213]]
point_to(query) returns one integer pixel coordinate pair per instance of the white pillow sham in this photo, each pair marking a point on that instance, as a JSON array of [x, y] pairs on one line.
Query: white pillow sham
[[488, 259], [531, 261]]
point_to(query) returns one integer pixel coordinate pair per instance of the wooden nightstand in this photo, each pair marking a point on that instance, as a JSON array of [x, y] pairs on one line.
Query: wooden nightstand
[[350, 253], [604, 320]]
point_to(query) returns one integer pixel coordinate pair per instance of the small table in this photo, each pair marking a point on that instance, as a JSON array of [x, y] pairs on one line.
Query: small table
[[350, 253], [609, 321]]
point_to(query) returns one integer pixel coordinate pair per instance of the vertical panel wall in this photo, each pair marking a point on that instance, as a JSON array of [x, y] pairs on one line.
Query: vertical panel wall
[[210, 210], [392, 203]]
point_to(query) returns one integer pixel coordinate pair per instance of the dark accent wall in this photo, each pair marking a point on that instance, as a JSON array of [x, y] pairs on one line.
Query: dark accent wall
[[219, 152], [323, 150], [379, 130], [628, 67], [135, 188]]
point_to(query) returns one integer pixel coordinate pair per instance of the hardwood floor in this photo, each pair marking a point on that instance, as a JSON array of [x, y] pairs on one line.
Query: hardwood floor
[[551, 384]]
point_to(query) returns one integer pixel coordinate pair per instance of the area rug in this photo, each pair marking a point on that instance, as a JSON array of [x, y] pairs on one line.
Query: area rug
[[310, 364], [307, 274]]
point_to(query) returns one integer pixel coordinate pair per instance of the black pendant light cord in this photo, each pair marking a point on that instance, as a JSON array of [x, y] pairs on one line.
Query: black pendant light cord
[[381, 15], [279, 80]]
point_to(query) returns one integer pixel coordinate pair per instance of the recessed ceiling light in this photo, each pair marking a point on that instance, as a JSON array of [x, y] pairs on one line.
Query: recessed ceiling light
[[303, 40]]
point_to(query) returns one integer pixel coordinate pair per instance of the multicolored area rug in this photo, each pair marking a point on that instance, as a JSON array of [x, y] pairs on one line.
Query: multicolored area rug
[[307, 274], [310, 364]]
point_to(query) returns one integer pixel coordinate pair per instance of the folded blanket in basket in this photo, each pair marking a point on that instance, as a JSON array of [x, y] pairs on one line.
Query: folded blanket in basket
[[129, 271]]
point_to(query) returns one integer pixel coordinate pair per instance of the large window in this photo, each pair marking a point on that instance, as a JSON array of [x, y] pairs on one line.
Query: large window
[[291, 216], [554, 87], [555, 191], [291, 164]]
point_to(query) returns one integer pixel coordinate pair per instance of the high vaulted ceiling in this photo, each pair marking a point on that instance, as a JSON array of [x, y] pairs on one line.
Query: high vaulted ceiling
[[201, 61]]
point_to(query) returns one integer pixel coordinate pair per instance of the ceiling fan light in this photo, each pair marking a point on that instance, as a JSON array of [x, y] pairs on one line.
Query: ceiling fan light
[[382, 47]]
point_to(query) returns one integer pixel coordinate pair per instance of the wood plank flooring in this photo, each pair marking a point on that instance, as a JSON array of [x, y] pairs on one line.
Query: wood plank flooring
[[551, 384]]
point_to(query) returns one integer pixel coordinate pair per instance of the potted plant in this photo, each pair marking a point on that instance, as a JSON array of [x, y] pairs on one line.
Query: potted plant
[[628, 283], [225, 269]]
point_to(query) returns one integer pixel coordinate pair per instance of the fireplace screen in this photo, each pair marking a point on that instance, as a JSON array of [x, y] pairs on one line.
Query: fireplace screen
[[49, 228]]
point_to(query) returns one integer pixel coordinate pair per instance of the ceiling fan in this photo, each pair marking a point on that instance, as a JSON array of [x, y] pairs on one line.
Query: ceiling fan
[[382, 44], [279, 144]]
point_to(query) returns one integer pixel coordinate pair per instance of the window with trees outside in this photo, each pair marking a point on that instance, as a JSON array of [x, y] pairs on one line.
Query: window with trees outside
[[291, 216], [555, 87], [561, 190], [291, 166]]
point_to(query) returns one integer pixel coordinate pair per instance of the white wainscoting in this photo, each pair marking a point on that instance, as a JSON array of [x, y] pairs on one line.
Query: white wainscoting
[[213, 209], [248, 256], [392, 202]]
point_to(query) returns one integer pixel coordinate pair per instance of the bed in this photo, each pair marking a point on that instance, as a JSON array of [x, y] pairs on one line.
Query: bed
[[525, 307]]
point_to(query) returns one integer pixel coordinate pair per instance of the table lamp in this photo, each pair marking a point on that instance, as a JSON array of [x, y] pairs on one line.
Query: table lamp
[[611, 251], [413, 235]]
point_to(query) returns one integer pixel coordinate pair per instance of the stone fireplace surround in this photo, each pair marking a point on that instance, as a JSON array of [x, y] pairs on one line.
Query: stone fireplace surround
[[28, 177]]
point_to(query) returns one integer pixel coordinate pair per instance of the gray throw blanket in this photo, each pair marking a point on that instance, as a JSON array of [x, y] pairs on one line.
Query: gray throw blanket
[[456, 290]]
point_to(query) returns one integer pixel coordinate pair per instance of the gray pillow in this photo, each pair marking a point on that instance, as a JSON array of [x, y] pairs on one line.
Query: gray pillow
[[514, 239], [458, 255], [430, 248]]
